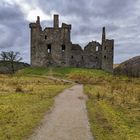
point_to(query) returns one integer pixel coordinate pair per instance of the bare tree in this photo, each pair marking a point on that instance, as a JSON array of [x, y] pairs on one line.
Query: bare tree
[[11, 57]]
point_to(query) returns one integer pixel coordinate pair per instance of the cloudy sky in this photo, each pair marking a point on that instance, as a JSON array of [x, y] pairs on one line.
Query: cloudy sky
[[121, 18]]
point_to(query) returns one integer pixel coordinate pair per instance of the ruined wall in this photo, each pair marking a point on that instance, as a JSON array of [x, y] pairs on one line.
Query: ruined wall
[[53, 47], [35, 42], [107, 55], [76, 56], [92, 55], [57, 44]]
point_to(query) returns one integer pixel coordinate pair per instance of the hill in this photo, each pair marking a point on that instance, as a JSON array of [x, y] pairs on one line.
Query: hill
[[115, 65], [5, 66], [113, 101], [130, 67]]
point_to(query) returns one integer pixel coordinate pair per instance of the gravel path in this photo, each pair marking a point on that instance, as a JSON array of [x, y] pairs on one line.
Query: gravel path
[[68, 119]]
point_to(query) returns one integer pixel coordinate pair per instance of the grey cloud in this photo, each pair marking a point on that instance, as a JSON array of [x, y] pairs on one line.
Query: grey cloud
[[121, 18], [14, 30]]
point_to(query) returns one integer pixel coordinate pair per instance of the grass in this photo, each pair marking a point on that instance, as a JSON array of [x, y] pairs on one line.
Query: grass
[[66, 72], [113, 105], [23, 102], [114, 109]]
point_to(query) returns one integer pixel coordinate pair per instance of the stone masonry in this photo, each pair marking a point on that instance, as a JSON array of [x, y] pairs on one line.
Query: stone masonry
[[53, 47]]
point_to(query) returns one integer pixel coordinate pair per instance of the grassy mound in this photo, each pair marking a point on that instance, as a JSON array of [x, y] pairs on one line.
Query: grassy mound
[[81, 75]]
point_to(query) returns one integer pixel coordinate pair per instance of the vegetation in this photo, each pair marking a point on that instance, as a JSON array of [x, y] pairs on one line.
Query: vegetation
[[23, 102], [11, 57], [114, 101], [114, 109], [113, 105], [5, 66]]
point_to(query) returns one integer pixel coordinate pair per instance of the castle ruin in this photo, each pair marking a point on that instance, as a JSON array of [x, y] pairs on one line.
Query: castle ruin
[[53, 47]]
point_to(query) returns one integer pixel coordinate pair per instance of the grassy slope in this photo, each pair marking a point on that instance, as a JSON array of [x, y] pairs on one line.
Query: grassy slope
[[23, 102], [113, 104]]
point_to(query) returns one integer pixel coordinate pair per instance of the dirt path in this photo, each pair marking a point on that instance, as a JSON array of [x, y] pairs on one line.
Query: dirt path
[[68, 119]]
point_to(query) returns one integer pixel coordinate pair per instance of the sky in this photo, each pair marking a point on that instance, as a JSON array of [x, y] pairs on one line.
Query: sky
[[120, 17]]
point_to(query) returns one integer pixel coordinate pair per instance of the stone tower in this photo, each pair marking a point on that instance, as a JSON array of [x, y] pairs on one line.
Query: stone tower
[[35, 41], [50, 47], [107, 52], [53, 47]]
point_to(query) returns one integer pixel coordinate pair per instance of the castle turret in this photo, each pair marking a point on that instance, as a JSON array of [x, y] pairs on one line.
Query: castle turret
[[35, 36]]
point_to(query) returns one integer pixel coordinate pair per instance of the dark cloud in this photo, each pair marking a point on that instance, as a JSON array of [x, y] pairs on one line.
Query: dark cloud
[[121, 18], [14, 30]]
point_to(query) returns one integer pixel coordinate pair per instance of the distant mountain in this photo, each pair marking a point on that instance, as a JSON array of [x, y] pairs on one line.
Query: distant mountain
[[130, 67], [5, 66]]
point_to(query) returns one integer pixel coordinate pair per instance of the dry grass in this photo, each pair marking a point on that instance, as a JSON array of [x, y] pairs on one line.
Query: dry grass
[[114, 109], [114, 101], [23, 102], [115, 65]]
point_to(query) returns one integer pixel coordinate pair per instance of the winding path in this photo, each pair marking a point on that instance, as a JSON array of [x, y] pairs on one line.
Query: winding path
[[68, 119]]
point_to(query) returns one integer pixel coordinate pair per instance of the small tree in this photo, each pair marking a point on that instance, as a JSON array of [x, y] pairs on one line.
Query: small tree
[[11, 57]]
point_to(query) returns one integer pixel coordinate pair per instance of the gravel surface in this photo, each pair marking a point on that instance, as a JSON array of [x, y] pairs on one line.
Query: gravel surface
[[67, 120]]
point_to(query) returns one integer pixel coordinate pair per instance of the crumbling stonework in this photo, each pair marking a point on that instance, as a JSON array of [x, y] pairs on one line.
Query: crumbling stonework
[[53, 47]]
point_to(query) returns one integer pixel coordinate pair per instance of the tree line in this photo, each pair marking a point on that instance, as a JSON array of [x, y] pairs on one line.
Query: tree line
[[11, 57]]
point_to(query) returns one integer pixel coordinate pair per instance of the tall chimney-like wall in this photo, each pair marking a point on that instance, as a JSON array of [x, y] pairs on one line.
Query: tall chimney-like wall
[[56, 21], [103, 35]]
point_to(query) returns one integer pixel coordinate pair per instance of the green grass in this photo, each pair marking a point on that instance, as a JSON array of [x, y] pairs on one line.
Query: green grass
[[23, 102], [113, 105], [66, 72], [113, 109]]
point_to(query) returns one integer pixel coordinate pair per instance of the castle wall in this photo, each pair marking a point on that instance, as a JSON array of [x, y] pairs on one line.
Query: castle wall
[[57, 46], [107, 55], [35, 43], [76, 56], [53, 47], [92, 55]]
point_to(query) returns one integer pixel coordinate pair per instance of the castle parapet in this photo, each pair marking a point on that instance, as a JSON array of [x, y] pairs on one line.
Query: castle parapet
[[68, 26]]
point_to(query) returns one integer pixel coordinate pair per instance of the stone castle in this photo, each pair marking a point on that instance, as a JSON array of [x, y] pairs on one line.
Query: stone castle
[[53, 47]]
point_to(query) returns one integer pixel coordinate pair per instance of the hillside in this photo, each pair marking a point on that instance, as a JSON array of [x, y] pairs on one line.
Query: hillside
[[113, 101], [5, 66], [130, 67], [23, 102]]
